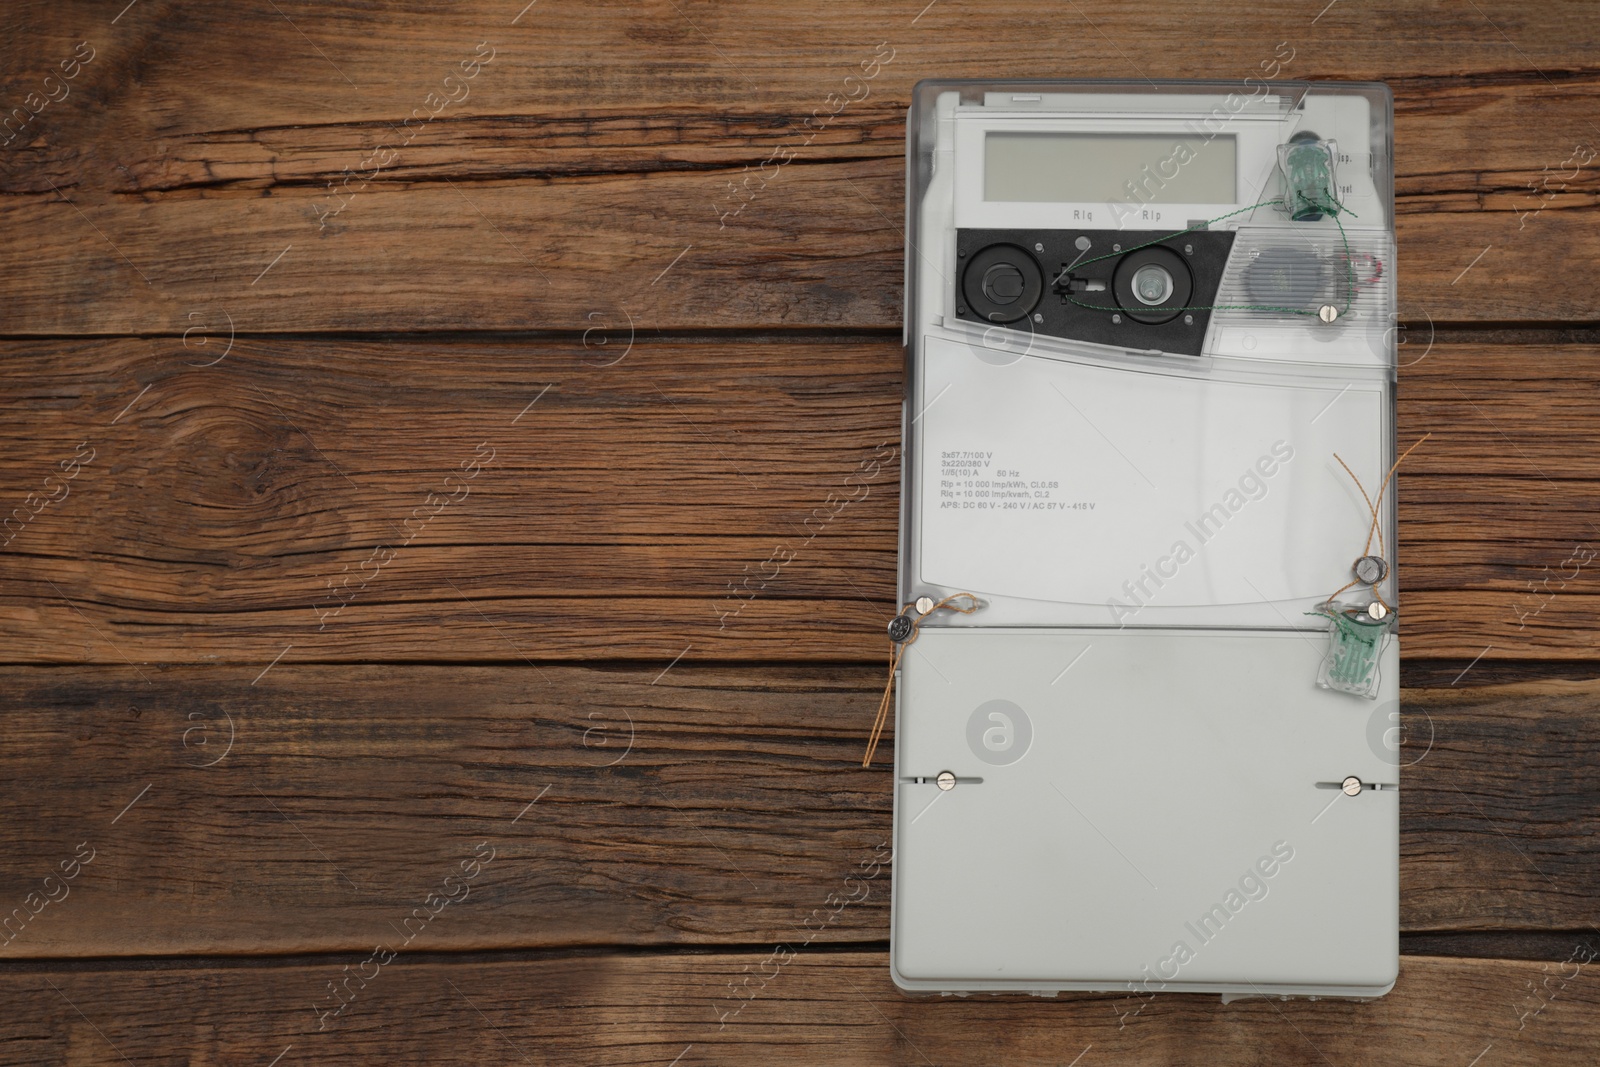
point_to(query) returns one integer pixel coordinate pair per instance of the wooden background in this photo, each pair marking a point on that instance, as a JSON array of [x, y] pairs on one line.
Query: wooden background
[[413, 470]]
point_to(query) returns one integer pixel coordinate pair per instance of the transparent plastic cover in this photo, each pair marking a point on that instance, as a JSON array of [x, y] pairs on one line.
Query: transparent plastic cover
[[1066, 461]]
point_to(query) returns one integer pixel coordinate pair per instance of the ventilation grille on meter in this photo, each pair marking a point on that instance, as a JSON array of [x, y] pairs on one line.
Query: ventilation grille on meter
[[1290, 274]]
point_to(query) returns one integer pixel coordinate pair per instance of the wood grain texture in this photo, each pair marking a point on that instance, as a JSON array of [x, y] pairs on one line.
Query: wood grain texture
[[632, 511], [822, 1008], [607, 520], [198, 146], [625, 806]]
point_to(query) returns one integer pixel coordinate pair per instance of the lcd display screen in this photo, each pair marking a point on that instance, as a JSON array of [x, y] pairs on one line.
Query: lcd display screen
[[1105, 168]]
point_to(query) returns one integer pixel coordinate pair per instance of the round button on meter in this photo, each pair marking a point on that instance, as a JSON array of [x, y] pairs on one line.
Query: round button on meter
[[1002, 283]]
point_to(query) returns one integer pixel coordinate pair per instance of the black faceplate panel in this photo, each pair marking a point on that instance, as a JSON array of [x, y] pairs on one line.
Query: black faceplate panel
[[1060, 310]]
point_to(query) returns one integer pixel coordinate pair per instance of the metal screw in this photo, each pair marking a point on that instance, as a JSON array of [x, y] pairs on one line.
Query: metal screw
[[924, 604], [1081, 244], [1038, 247], [946, 780], [1327, 313], [960, 310], [1116, 318], [1351, 786], [1188, 250], [961, 251], [1116, 248], [900, 628], [1038, 318], [1371, 569], [1188, 320], [1377, 610]]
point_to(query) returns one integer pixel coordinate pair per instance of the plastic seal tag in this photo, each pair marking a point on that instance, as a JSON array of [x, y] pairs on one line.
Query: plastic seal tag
[[1351, 663]]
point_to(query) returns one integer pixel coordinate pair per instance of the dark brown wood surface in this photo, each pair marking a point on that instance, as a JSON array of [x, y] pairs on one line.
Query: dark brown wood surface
[[382, 493], [824, 1007]]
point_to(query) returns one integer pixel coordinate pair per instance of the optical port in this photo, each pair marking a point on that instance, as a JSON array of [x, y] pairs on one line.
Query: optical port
[[1152, 285], [1002, 283]]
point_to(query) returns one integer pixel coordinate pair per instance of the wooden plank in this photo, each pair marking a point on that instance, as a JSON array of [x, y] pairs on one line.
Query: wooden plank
[[196, 152], [608, 519], [626, 806], [1535, 945], [835, 1008], [738, 498], [1467, 847], [1497, 537], [614, 55]]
